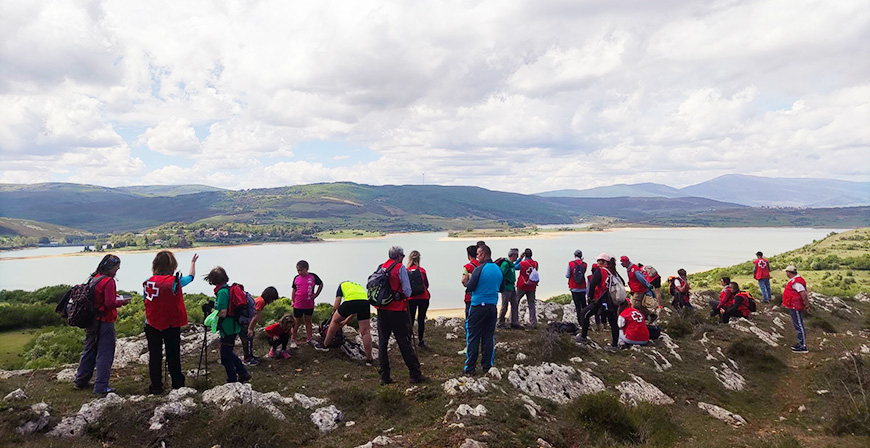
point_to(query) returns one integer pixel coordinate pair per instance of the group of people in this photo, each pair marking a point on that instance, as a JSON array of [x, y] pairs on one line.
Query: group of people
[[598, 292]]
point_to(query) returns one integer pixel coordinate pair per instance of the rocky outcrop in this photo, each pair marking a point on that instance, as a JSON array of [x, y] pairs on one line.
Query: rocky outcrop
[[66, 375], [471, 443], [465, 384], [308, 402], [40, 416], [6, 374], [230, 395], [554, 382], [748, 326], [74, 426], [730, 379], [162, 413], [465, 410], [722, 414], [134, 349], [639, 391], [15, 395], [533, 408], [378, 441], [327, 418]]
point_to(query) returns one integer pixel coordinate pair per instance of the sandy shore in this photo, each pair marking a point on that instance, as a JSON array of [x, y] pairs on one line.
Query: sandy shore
[[446, 312]]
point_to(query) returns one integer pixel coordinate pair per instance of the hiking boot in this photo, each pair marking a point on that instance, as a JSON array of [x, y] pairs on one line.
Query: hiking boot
[[319, 348], [500, 325], [581, 339], [370, 362], [284, 354], [469, 372], [245, 377], [108, 391], [250, 362], [272, 353], [797, 349], [611, 348], [422, 344], [79, 386], [418, 379], [155, 390], [385, 381]]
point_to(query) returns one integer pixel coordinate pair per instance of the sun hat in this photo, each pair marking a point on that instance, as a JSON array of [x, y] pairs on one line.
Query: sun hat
[[604, 256]]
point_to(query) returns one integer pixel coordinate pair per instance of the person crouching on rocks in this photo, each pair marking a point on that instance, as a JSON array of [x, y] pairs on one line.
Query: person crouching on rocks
[[99, 351], [484, 286], [228, 326], [632, 326], [165, 314], [354, 302], [279, 335]]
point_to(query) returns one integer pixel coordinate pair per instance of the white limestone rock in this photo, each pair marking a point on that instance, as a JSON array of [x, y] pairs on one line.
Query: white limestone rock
[[172, 408], [67, 375], [465, 410], [327, 418], [722, 414], [543, 443], [40, 416], [308, 402], [521, 357], [377, 441], [639, 391], [494, 373], [659, 360], [466, 384], [569, 314], [15, 395], [554, 382], [533, 408], [747, 326], [230, 395], [730, 379], [576, 360], [471, 443], [6, 374], [450, 336], [180, 394], [90, 412]]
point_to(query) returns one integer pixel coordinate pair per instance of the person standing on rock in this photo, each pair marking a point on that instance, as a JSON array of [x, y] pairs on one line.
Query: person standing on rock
[[509, 290], [467, 269], [484, 286], [228, 326], [761, 272], [576, 275], [165, 315], [655, 280], [527, 284], [796, 300], [394, 320], [599, 295], [679, 288], [99, 350], [354, 302], [418, 303]]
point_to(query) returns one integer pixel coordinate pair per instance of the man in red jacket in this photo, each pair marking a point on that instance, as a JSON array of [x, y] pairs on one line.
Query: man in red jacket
[[393, 319], [761, 272], [796, 300]]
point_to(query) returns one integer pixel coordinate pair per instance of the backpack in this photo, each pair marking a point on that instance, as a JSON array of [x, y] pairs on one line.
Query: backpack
[[337, 340], [616, 289], [416, 279], [655, 331], [534, 277], [651, 271], [77, 305], [579, 274], [378, 286], [504, 279], [672, 286], [750, 301], [562, 327], [241, 304]]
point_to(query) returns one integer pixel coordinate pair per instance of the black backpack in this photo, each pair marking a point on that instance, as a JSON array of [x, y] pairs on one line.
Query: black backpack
[[655, 331], [562, 327], [579, 273], [415, 277], [337, 340], [672, 286], [77, 305], [378, 285]]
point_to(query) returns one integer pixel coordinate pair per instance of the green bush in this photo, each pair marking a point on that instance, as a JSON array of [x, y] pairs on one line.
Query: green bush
[[756, 356], [47, 295], [561, 299], [822, 324], [604, 416], [27, 315], [54, 346], [848, 379]]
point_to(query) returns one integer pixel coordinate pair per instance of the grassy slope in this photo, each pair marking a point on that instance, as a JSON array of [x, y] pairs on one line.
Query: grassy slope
[[11, 345], [778, 383], [26, 227]]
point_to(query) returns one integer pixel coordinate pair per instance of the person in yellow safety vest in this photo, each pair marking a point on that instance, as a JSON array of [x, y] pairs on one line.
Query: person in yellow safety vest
[[355, 302]]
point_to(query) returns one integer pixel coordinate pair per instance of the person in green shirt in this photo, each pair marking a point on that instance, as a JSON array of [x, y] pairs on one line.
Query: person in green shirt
[[509, 294], [228, 326]]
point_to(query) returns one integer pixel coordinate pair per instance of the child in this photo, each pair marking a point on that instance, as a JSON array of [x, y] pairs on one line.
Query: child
[[306, 288], [269, 295], [279, 334], [228, 325], [632, 326]]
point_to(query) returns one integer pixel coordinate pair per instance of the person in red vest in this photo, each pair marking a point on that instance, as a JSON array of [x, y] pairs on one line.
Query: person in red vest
[[467, 269], [165, 314], [393, 319], [761, 272], [632, 326], [418, 304], [279, 334], [576, 275], [99, 350], [639, 287], [599, 299], [527, 284], [732, 302], [796, 299]]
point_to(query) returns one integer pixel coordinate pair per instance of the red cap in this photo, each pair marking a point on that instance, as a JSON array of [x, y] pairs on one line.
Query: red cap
[[623, 258]]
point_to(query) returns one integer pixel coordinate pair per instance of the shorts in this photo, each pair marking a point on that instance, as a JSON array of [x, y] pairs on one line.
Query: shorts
[[299, 312], [361, 308]]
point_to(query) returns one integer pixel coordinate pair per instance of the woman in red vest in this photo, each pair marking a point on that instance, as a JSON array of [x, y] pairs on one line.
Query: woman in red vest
[[165, 314]]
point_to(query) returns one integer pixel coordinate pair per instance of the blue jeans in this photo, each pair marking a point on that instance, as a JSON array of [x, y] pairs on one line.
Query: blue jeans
[[797, 319], [99, 354], [480, 337], [232, 364], [764, 286]]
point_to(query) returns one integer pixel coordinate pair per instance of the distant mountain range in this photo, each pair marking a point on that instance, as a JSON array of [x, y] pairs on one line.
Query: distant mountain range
[[754, 191], [385, 208]]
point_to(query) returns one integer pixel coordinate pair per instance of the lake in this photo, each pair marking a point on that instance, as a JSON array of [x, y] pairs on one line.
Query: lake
[[668, 249]]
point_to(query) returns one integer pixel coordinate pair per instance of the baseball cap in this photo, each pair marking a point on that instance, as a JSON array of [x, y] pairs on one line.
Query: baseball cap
[[790, 268], [623, 258], [604, 256], [578, 253]]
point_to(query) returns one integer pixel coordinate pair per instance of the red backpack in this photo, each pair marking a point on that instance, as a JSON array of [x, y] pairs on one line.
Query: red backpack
[[238, 306]]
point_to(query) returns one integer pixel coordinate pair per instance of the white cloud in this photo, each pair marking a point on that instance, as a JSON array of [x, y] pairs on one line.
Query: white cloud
[[512, 96]]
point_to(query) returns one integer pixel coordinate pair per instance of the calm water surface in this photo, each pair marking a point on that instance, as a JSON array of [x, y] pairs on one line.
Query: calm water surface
[[695, 249]]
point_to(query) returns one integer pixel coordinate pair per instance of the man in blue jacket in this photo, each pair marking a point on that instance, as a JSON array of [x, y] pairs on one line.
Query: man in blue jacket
[[484, 285]]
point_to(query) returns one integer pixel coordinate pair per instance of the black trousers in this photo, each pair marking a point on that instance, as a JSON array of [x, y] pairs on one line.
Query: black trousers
[[724, 317], [157, 339], [398, 324], [580, 303], [247, 344], [280, 340], [593, 309], [417, 309]]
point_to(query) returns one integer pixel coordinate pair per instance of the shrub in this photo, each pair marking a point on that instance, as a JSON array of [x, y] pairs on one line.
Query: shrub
[[561, 299], [822, 324], [54, 346], [390, 401], [685, 323], [756, 356], [848, 381], [27, 315], [602, 415]]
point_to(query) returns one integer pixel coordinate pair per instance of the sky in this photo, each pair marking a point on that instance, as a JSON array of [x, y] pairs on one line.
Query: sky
[[507, 95]]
